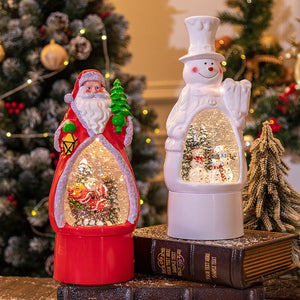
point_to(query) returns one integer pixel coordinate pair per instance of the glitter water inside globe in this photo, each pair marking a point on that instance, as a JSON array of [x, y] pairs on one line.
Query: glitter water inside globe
[[210, 153], [96, 193]]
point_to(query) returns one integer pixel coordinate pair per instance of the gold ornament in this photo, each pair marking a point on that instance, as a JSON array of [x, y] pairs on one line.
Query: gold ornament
[[224, 42], [69, 143], [54, 57], [2, 53], [268, 42], [294, 52], [297, 69]]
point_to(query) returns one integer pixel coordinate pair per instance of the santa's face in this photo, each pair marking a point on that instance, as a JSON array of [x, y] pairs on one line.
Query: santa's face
[[91, 87], [93, 103], [203, 72]]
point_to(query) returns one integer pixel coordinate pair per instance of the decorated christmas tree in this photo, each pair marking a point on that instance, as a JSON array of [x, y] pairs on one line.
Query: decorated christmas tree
[[252, 55], [258, 57], [281, 107], [45, 44], [270, 202]]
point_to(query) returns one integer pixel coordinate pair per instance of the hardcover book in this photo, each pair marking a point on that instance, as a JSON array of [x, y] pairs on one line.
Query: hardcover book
[[239, 262], [158, 287]]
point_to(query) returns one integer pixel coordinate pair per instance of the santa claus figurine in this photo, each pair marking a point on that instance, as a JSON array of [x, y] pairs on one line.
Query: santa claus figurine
[[94, 201]]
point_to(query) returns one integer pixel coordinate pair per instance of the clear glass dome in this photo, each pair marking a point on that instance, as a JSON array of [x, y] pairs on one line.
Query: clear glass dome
[[210, 151], [96, 192]]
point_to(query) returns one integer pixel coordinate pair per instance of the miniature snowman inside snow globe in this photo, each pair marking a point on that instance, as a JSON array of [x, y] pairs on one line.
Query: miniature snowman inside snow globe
[[205, 167]]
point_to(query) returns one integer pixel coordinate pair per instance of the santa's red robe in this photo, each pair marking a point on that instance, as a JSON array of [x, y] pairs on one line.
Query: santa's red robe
[[115, 143]]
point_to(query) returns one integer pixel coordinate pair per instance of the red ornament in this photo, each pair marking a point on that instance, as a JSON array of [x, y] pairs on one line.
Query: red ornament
[[14, 107], [275, 126], [283, 97], [105, 15], [52, 155], [292, 88], [282, 108], [21, 106], [10, 198], [42, 30]]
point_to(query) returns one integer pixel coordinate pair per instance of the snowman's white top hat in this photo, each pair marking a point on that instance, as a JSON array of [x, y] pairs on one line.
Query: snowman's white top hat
[[202, 31]]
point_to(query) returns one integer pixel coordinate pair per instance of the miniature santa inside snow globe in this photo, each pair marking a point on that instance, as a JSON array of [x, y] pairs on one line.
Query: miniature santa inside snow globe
[[205, 167], [94, 201]]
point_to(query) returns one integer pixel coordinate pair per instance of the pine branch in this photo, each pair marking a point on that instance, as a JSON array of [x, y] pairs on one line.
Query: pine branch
[[267, 222], [231, 18]]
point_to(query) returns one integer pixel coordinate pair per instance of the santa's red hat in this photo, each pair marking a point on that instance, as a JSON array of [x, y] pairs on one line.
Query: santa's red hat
[[84, 76]]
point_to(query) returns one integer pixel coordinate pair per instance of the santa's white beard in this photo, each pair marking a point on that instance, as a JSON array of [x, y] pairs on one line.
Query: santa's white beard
[[94, 111]]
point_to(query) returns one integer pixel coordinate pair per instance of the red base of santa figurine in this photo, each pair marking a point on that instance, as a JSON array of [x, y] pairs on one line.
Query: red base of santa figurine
[[81, 259]]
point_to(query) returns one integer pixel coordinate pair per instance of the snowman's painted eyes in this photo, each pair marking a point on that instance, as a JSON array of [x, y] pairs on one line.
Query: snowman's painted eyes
[[194, 69]]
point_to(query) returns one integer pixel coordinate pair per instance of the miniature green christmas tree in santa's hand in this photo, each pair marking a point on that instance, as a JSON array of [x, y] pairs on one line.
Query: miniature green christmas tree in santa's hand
[[270, 202], [120, 108]]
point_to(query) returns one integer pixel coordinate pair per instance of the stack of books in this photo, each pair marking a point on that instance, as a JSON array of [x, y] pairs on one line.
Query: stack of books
[[169, 268], [239, 263]]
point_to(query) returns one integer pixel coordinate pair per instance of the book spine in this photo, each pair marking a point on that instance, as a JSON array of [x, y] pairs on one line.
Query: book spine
[[189, 261], [166, 290]]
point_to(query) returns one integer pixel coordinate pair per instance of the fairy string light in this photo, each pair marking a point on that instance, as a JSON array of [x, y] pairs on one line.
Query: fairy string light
[[29, 82]]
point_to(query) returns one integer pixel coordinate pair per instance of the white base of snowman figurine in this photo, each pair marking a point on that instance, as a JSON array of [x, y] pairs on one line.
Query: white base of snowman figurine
[[205, 216]]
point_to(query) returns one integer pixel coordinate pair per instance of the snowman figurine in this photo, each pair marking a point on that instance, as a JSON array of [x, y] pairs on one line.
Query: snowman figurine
[[206, 207], [224, 162], [198, 171]]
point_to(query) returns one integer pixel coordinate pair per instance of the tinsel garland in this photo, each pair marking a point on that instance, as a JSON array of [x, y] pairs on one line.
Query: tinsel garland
[[253, 65]]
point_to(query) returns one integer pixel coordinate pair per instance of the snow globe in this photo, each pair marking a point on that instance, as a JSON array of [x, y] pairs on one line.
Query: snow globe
[[94, 200], [205, 167]]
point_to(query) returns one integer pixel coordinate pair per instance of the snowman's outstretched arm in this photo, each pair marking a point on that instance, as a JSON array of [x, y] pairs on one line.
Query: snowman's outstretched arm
[[177, 115], [236, 96]]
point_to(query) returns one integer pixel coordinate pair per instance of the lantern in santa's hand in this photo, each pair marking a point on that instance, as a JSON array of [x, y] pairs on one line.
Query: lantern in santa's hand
[[205, 167], [69, 142], [94, 201]]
